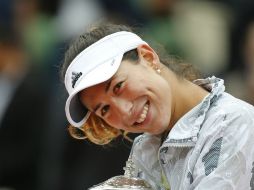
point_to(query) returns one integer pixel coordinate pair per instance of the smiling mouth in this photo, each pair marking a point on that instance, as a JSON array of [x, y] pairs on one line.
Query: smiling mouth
[[143, 115]]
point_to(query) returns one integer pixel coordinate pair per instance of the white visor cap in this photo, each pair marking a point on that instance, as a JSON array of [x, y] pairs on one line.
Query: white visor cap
[[95, 64]]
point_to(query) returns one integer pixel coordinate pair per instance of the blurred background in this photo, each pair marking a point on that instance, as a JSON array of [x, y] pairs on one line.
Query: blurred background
[[36, 151]]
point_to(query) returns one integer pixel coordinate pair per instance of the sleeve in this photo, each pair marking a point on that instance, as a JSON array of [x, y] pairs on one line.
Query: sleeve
[[225, 159]]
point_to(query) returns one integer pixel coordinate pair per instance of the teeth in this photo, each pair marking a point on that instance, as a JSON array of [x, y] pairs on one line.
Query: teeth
[[143, 114]]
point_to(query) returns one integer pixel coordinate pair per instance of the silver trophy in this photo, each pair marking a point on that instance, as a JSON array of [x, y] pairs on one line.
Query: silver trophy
[[124, 182]]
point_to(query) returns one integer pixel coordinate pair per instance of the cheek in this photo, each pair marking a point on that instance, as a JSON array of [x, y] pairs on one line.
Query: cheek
[[136, 88], [167, 105], [114, 121], [163, 109], [166, 117], [161, 120], [163, 106]]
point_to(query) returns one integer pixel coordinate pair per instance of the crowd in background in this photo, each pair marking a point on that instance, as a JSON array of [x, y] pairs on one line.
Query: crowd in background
[[36, 151]]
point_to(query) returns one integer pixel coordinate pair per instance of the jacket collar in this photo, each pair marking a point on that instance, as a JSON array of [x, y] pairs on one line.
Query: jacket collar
[[186, 130]]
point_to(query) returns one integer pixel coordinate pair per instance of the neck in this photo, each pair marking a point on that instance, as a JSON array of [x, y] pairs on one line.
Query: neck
[[186, 95]]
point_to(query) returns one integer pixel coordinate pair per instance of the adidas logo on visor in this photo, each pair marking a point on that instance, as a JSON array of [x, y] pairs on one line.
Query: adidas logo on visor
[[74, 78]]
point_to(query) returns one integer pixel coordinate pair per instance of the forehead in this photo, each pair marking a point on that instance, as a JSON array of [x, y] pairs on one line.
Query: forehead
[[96, 92], [93, 91], [91, 96]]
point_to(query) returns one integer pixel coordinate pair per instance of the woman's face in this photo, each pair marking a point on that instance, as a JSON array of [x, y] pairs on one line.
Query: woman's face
[[136, 99]]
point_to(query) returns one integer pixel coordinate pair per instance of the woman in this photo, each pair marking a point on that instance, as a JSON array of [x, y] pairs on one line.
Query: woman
[[195, 135]]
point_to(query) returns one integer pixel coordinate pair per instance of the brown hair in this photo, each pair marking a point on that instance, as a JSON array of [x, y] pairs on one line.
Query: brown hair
[[95, 129]]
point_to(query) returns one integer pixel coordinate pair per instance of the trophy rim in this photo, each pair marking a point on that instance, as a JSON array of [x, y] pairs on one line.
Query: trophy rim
[[120, 183]]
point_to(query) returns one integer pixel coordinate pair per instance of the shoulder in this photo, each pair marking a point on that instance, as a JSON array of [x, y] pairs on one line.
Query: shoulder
[[227, 107], [228, 116]]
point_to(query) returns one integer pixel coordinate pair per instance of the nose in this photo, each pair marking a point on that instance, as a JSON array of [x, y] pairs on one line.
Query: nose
[[122, 105]]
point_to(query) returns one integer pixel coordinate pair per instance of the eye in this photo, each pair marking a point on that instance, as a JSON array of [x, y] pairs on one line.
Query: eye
[[104, 110], [117, 87]]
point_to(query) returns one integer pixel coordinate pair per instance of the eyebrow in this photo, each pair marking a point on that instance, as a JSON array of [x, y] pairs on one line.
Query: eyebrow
[[108, 86], [96, 108], [106, 90]]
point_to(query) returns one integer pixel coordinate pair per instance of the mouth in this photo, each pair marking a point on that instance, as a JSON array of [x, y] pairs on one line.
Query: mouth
[[143, 115]]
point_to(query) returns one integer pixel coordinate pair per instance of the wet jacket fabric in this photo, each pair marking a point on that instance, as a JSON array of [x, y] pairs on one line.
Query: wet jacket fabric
[[210, 148]]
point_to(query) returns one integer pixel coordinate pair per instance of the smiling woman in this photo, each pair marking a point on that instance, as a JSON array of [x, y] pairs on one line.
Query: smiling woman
[[193, 133], [96, 129]]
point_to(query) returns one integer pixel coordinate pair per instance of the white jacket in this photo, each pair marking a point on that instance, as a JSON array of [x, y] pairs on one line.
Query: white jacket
[[210, 148]]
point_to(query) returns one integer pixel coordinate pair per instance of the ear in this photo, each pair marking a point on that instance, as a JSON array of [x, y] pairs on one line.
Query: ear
[[146, 53]]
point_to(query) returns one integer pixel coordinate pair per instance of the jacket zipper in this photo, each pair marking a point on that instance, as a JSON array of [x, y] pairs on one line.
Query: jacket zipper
[[174, 145]]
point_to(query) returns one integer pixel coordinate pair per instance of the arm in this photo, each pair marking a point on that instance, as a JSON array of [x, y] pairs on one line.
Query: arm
[[226, 159]]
